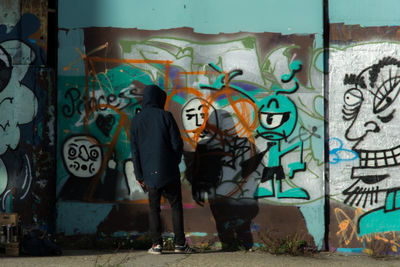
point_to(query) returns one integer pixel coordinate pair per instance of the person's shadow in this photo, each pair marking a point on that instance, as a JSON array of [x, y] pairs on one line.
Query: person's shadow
[[221, 147]]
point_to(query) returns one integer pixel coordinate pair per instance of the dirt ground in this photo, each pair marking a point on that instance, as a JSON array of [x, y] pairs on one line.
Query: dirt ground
[[208, 258]]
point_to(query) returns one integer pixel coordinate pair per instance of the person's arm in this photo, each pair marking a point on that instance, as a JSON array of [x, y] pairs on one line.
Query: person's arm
[[137, 167], [175, 135]]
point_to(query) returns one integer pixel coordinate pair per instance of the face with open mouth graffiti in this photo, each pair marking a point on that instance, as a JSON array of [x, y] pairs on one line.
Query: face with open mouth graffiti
[[278, 117], [82, 156], [370, 104]]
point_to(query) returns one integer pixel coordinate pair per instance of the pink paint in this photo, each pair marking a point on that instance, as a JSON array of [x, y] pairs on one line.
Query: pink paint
[[293, 57], [189, 206]]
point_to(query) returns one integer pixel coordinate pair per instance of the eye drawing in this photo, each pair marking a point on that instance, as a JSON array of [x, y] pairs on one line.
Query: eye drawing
[[352, 99], [189, 116], [94, 154], [274, 120], [72, 153], [388, 90], [387, 118]]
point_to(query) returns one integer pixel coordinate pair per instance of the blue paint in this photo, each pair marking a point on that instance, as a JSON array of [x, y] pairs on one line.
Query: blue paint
[[198, 234], [254, 227], [120, 234], [207, 16], [313, 214], [365, 12], [80, 218], [337, 152], [349, 250], [125, 234]]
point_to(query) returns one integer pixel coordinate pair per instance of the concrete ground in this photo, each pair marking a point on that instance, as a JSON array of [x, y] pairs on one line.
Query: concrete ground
[[205, 259]]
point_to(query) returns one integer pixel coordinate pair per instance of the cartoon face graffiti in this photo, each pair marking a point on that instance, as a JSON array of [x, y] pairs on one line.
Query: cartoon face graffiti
[[278, 117], [370, 106], [195, 113], [82, 156]]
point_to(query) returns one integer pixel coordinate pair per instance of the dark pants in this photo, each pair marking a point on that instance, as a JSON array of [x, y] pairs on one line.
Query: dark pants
[[172, 192]]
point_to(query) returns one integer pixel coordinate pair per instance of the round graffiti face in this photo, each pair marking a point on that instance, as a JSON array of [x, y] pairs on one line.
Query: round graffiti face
[[278, 116], [194, 115], [82, 156]]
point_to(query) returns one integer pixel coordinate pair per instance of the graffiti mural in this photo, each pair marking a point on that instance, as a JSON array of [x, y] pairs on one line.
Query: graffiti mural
[[250, 116], [13, 95], [367, 130], [277, 120], [27, 122], [82, 157]]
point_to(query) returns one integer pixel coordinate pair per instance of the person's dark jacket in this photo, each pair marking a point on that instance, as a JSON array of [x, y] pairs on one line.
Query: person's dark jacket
[[156, 142]]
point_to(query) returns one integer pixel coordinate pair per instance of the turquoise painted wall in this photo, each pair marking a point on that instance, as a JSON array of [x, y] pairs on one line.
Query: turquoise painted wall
[[365, 12], [283, 16]]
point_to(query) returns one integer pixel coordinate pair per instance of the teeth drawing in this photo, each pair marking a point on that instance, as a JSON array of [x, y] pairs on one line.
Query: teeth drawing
[[380, 158]]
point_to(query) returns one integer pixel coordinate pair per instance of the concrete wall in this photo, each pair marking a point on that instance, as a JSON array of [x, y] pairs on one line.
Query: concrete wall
[[109, 51], [363, 125], [27, 113]]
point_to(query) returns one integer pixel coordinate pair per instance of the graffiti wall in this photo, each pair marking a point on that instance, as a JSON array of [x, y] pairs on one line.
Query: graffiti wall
[[251, 114], [363, 139], [27, 120]]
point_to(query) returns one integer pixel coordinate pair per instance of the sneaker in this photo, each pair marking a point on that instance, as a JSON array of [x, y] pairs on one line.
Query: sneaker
[[155, 249], [184, 249]]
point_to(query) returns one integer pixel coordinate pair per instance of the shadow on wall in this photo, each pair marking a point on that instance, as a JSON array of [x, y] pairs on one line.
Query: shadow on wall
[[204, 171]]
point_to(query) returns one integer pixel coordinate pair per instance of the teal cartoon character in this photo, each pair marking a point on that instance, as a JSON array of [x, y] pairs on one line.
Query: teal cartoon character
[[277, 120]]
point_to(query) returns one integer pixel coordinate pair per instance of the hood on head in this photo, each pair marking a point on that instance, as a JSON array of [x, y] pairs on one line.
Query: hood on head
[[153, 96]]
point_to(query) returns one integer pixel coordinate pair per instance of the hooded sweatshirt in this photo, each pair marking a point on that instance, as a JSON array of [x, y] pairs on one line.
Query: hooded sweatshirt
[[156, 142]]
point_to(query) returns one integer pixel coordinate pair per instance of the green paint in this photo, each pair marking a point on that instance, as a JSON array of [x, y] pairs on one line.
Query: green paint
[[249, 42]]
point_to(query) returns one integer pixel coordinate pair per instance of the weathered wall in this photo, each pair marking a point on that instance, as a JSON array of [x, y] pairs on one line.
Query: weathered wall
[[364, 63], [261, 98], [27, 113]]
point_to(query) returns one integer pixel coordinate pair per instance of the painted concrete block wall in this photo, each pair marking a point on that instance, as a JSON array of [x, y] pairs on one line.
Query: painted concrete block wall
[[363, 125], [27, 113], [244, 83]]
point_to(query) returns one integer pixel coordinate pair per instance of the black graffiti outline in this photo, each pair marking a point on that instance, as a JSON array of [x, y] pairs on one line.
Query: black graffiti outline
[[383, 98], [76, 103], [93, 139], [105, 123], [304, 131], [4, 126], [236, 149], [5, 71]]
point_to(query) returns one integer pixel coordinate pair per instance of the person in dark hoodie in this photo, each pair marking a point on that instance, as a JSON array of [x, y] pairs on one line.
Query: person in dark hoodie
[[156, 151]]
